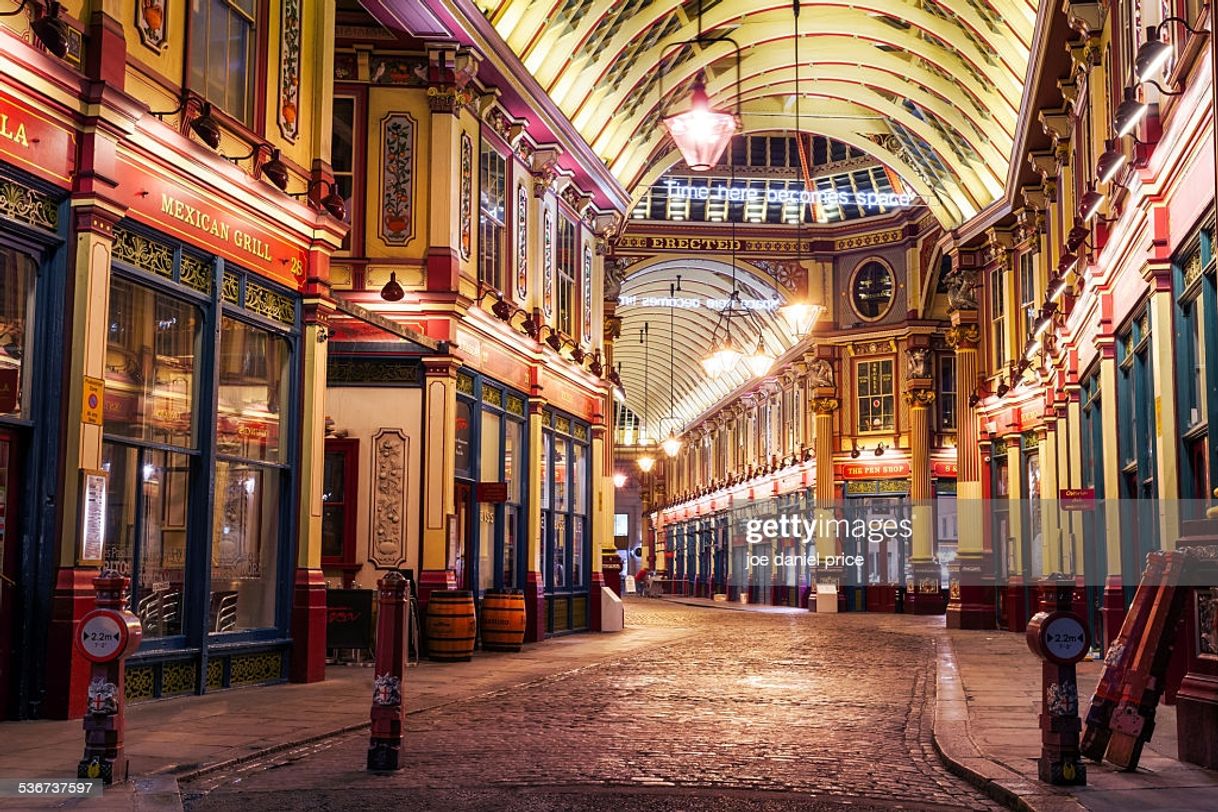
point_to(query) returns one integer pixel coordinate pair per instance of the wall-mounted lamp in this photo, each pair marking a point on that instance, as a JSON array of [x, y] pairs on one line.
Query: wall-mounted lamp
[[332, 202], [1129, 113], [51, 31], [1090, 202], [880, 448], [1153, 54], [203, 125], [1111, 161], [854, 450], [275, 170]]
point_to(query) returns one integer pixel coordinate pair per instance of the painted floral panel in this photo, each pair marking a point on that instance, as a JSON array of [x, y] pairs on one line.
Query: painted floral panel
[[397, 178]]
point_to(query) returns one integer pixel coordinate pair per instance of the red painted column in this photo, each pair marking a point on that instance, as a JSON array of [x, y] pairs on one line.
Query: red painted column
[[308, 663], [67, 670], [388, 712]]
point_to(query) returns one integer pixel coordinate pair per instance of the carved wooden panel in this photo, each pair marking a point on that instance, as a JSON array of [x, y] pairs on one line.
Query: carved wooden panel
[[387, 535]]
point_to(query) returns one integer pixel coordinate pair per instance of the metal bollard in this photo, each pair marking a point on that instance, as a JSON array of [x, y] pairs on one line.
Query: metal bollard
[[105, 636], [388, 709], [1060, 639]]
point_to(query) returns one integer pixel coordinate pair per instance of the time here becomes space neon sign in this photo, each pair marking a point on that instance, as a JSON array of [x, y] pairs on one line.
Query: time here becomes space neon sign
[[828, 197]]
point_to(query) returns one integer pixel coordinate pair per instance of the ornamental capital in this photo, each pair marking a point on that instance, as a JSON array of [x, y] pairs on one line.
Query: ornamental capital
[[965, 336], [919, 398], [825, 405]]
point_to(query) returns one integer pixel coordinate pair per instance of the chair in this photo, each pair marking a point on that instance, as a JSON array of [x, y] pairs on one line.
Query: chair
[[223, 611]]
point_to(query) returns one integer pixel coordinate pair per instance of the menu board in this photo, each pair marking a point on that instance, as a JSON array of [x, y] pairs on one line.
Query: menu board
[[93, 518]]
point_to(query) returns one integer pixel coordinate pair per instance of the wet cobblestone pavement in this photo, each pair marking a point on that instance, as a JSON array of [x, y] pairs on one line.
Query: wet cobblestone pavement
[[751, 711]]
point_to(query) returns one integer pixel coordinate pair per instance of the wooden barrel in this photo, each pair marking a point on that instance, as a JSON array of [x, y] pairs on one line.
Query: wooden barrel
[[451, 627], [503, 620]]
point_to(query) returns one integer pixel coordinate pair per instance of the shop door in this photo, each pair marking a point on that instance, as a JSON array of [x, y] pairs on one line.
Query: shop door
[[465, 546], [10, 485]]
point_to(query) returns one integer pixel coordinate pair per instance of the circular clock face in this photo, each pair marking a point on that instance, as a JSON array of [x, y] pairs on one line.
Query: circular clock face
[[871, 292]]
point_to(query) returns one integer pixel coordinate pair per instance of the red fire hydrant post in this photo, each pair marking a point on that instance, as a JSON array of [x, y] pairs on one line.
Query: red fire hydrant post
[[1060, 639], [105, 636], [388, 709]]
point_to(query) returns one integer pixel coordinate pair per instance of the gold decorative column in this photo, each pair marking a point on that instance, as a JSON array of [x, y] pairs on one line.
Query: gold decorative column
[[923, 596], [970, 600], [534, 585], [824, 406], [438, 483]]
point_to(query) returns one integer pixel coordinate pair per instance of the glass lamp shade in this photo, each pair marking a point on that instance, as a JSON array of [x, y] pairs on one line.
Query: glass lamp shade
[[646, 463], [721, 359], [800, 317], [759, 362], [619, 480], [701, 133], [671, 444]]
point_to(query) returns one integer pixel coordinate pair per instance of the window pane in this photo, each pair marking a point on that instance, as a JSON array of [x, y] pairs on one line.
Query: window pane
[[150, 365], [245, 547], [16, 333], [464, 462], [513, 459], [577, 551], [253, 386], [333, 514], [561, 475], [511, 518], [559, 574], [579, 479], [146, 511], [221, 44]]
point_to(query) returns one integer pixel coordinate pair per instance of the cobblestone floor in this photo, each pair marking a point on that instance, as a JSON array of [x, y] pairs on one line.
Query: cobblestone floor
[[755, 711]]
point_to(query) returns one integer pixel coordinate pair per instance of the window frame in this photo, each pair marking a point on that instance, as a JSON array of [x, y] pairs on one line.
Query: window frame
[[566, 281], [500, 228], [891, 395], [353, 243], [256, 71]]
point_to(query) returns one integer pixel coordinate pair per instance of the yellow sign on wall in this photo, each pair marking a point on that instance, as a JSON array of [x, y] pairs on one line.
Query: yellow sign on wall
[[92, 402]]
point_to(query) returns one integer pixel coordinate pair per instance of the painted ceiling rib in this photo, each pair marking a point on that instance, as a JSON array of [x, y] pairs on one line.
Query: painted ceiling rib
[[930, 88]]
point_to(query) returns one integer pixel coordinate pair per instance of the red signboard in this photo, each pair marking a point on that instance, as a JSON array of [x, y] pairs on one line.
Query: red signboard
[[569, 397], [492, 491], [34, 142], [1077, 498], [214, 228], [944, 469], [873, 470]]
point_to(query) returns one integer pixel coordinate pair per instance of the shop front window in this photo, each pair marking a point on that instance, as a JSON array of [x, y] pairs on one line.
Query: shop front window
[[514, 471], [567, 513], [16, 311], [150, 366], [253, 377], [149, 447], [253, 380]]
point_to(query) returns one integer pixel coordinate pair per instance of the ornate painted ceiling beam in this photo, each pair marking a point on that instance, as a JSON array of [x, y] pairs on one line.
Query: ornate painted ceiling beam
[[1008, 45]]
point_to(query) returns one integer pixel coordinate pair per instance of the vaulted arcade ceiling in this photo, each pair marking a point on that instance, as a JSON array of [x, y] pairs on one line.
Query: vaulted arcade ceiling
[[930, 88]]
